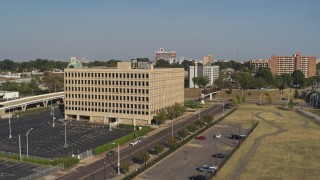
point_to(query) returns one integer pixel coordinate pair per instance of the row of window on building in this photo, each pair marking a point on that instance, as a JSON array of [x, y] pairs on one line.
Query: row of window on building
[[106, 82], [107, 97], [121, 111], [106, 90], [106, 75]]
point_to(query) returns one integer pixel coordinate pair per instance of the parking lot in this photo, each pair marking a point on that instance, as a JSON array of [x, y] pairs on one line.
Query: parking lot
[[10, 170], [44, 140], [186, 161]]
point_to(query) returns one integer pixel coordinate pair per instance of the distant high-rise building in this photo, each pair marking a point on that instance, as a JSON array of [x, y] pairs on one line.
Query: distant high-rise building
[[287, 64], [210, 72], [170, 56], [207, 60], [257, 63]]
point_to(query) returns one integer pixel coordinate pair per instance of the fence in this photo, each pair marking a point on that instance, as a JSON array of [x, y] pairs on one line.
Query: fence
[[84, 154], [43, 173]]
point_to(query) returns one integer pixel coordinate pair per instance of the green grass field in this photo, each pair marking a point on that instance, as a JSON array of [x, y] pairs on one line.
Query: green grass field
[[291, 154]]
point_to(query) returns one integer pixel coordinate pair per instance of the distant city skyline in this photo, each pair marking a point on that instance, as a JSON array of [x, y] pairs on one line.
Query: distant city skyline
[[104, 30]]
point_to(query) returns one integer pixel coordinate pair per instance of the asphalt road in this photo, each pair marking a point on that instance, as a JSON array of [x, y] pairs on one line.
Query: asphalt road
[[96, 170]]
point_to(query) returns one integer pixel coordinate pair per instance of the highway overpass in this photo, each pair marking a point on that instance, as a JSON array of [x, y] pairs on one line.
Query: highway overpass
[[31, 101]]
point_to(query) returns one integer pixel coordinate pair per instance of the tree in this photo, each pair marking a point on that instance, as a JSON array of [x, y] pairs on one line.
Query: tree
[[269, 99], [245, 80], [208, 119], [290, 104], [144, 157], [266, 74], [162, 63], [124, 165], [296, 94], [203, 81], [186, 63], [158, 148], [183, 134], [161, 117], [287, 79], [298, 79]]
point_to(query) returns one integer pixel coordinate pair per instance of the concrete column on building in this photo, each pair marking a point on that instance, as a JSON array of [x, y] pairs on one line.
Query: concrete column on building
[[118, 121], [78, 118], [134, 122], [91, 119], [23, 107], [58, 101], [105, 120], [45, 103]]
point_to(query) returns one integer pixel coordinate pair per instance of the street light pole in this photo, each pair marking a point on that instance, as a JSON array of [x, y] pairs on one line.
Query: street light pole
[[53, 118], [65, 133], [10, 125], [104, 170], [172, 130], [118, 158], [252, 121], [28, 142]]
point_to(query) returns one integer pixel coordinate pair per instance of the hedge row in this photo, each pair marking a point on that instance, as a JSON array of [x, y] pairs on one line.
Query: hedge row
[[122, 140], [171, 150], [67, 161]]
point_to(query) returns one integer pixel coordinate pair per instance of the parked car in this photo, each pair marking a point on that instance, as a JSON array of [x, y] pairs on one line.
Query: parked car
[[220, 155], [198, 177], [208, 168], [218, 135], [140, 139], [134, 142], [201, 138], [238, 136]]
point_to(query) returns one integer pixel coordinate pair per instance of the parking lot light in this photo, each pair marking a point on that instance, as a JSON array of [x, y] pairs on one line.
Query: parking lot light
[[10, 125], [65, 133], [53, 118], [27, 134], [118, 157]]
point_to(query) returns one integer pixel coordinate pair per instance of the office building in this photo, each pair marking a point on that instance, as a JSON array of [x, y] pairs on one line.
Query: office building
[[207, 60], [257, 63], [210, 72], [132, 93], [287, 64], [169, 56]]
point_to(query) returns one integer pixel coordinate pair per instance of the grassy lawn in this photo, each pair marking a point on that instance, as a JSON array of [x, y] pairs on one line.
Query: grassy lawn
[[292, 154]]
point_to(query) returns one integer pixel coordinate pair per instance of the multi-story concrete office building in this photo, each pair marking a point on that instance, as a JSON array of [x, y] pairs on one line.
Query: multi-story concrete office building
[[208, 59], [170, 56], [287, 64], [132, 93], [257, 63], [211, 72]]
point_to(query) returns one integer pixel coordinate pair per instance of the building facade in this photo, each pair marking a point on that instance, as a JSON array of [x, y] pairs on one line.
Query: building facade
[[207, 60], [287, 64], [170, 56], [211, 72], [257, 63], [128, 94]]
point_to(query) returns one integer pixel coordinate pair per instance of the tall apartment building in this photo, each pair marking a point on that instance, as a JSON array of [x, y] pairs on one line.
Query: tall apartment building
[[287, 64], [130, 93], [211, 72], [257, 63], [170, 56], [207, 60]]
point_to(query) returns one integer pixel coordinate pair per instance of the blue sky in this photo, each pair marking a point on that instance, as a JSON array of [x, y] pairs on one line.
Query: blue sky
[[125, 29]]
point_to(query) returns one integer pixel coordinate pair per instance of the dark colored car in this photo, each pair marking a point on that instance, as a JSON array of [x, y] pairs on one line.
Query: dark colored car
[[220, 155], [111, 153], [198, 177]]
